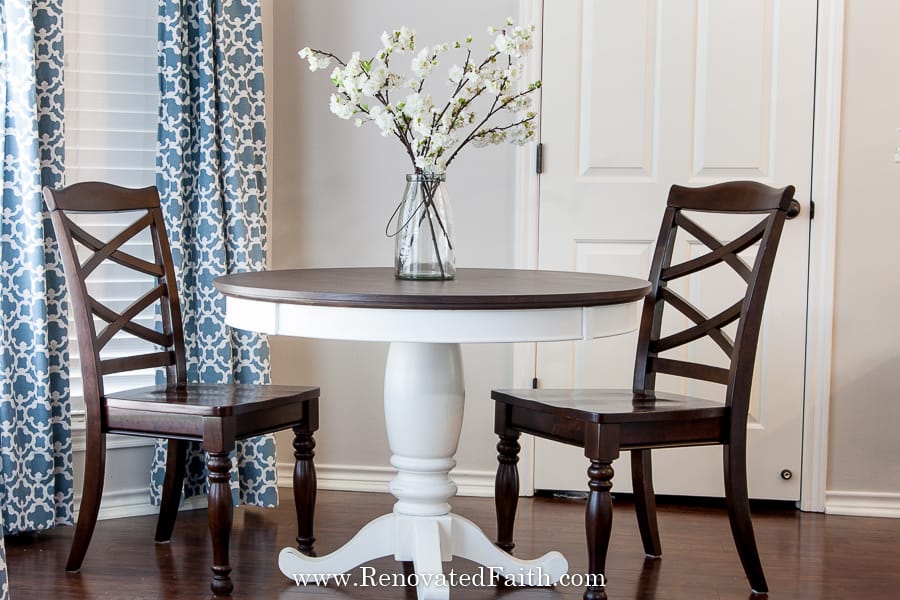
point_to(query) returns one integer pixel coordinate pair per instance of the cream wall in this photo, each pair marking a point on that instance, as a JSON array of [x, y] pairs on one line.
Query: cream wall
[[333, 188], [864, 441]]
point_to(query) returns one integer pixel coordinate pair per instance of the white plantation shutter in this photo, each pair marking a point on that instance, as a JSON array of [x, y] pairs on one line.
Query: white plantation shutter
[[112, 101]]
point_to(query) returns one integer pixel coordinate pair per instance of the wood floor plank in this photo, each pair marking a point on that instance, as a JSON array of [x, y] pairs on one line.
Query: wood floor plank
[[806, 556]]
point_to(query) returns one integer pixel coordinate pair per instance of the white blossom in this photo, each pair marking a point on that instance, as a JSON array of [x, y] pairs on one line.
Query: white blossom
[[412, 105], [353, 68], [445, 125], [489, 138], [383, 118], [350, 79], [342, 107], [516, 103], [423, 64], [406, 39], [520, 134], [503, 43], [316, 60], [377, 78], [455, 74], [418, 108], [473, 80], [514, 42], [401, 40], [441, 141], [494, 86]]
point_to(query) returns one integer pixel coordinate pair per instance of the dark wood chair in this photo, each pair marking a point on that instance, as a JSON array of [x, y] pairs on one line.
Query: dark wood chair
[[606, 421], [215, 415]]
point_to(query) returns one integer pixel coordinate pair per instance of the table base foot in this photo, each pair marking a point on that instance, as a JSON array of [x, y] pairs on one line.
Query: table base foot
[[374, 540], [471, 543]]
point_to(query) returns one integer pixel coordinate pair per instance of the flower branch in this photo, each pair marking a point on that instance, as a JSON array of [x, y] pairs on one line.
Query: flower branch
[[428, 131]]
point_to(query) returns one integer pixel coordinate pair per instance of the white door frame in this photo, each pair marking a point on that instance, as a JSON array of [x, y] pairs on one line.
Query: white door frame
[[820, 294], [820, 299]]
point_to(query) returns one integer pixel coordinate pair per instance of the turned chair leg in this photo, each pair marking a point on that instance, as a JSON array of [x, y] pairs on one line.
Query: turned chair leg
[[91, 492], [506, 488], [304, 488], [598, 525], [220, 519], [176, 453], [645, 501], [738, 504]]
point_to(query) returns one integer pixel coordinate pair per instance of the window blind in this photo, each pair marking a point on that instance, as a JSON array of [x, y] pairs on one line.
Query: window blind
[[112, 100]]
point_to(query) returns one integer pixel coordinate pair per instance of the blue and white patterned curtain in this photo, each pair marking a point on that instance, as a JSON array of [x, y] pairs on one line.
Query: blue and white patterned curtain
[[211, 174], [35, 435]]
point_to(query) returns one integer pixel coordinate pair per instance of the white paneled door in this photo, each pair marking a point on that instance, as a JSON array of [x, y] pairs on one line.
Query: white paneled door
[[641, 95]]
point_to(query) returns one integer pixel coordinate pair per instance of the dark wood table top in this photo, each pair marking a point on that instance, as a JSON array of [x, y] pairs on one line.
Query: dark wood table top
[[473, 289]]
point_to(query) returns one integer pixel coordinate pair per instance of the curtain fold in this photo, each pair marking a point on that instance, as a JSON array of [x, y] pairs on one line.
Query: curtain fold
[[36, 477], [211, 174]]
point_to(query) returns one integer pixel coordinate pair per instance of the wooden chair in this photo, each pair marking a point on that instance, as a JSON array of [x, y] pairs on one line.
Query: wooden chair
[[215, 415], [605, 422]]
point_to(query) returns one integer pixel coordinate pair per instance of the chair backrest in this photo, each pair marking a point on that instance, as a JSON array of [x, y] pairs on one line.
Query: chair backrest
[[733, 198], [103, 199]]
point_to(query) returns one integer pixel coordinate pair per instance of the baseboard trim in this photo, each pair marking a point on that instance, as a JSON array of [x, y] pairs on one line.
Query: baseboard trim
[[134, 503], [351, 478], [863, 504]]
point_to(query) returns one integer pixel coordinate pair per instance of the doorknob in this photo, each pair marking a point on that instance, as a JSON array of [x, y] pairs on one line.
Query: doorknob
[[793, 210]]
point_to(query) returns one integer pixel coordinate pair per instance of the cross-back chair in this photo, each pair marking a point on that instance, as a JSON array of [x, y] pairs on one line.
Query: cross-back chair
[[606, 421], [214, 414]]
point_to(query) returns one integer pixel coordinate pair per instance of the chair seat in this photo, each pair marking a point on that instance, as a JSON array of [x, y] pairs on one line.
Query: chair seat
[[612, 405], [212, 400]]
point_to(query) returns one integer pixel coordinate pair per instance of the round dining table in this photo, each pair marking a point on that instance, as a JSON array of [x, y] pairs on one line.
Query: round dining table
[[424, 388]]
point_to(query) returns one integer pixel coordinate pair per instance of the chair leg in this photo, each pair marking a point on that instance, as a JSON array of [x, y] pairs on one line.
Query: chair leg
[[91, 492], [176, 453], [598, 525], [506, 488], [736, 498], [220, 519], [645, 501], [304, 488]]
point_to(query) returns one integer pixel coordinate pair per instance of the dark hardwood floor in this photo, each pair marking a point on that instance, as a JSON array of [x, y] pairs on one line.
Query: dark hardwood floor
[[806, 556]]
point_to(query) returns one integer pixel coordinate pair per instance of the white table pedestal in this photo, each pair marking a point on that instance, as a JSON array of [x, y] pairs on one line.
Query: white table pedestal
[[424, 393]]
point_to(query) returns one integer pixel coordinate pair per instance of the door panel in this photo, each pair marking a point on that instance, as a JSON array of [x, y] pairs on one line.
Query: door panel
[[638, 96]]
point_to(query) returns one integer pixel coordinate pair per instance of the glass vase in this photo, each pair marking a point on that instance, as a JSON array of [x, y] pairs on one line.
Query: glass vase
[[423, 247]]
